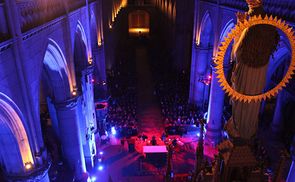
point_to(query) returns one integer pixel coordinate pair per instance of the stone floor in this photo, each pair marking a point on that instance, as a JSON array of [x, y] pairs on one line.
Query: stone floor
[[124, 166]]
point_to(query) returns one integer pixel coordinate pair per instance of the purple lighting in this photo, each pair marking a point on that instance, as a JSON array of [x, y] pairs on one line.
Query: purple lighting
[[206, 79]]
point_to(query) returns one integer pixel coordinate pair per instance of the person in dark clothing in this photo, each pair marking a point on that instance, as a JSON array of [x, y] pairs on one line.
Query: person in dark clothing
[[154, 141]]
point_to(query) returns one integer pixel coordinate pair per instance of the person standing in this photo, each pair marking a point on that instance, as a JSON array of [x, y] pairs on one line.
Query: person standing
[[122, 144]]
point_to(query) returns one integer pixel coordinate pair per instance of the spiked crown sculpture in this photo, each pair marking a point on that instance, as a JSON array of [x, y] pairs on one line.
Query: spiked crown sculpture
[[236, 32]]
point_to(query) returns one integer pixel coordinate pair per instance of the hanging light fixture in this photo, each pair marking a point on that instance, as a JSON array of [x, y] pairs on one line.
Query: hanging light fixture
[[28, 166]]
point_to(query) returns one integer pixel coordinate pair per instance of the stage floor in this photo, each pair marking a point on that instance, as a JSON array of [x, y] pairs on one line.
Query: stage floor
[[124, 166]]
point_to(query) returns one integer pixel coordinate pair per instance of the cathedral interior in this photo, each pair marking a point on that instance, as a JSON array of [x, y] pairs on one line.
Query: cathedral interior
[[142, 90]]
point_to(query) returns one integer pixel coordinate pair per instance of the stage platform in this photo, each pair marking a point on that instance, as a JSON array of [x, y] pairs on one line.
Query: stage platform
[[155, 149], [156, 155]]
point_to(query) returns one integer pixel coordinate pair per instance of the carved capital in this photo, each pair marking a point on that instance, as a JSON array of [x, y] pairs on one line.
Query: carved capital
[[68, 104], [37, 174]]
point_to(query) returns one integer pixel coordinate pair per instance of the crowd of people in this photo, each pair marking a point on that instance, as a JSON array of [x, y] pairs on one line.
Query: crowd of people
[[122, 116], [122, 106], [177, 114]]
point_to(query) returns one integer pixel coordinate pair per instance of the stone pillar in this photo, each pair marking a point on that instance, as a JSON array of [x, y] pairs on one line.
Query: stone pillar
[[192, 76], [100, 70], [88, 121], [291, 175], [34, 129], [277, 122], [53, 116], [199, 68], [215, 110], [68, 117], [101, 57]]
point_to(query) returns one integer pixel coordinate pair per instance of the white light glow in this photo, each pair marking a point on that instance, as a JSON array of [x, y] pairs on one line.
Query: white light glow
[[93, 178], [113, 130], [100, 168], [28, 166]]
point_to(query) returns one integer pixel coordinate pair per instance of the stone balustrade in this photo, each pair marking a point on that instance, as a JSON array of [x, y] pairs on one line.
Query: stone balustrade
[[238, 4], [37, 12], [34, 13], [281, 8], [4, 35], [38, 173]]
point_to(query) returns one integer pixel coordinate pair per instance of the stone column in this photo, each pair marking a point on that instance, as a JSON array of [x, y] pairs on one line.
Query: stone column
[[100, 70], [199, 68], [68, 117], [291, 175], [101, 57], [192, 76], [215, 110], [27, 97], [277, 122], [88, 121]]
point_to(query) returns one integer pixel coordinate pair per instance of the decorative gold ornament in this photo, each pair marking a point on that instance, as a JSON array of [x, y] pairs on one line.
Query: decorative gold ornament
[[236, 32], [254, 3]]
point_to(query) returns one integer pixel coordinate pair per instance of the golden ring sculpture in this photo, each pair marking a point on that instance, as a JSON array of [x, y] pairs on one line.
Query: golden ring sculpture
[[237, 31]]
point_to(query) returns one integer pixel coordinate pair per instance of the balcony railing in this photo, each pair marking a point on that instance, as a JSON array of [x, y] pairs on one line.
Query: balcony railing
[[281, 8], [140, 3], [4, 35], [37, 12]]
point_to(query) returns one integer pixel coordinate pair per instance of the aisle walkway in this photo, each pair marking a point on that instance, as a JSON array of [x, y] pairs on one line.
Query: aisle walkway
[[149, 112]]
